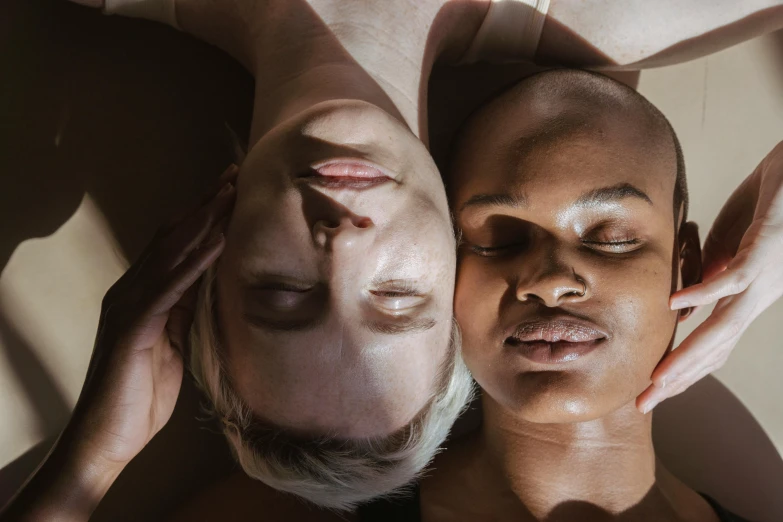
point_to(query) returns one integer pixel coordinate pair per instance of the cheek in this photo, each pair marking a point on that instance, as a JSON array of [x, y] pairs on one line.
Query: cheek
[[476, 307], [636, 303]]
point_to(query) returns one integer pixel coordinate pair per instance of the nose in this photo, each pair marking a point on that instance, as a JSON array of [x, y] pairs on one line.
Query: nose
[[551, 283], [348, 232]]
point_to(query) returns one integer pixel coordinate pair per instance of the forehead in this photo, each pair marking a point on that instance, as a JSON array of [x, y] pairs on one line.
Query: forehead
[[551, 157]]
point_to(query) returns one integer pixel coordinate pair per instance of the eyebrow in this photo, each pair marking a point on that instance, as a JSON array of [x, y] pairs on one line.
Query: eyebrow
[[396, 327], [593, 197], [495, 200], [284, 325], [613, 193]]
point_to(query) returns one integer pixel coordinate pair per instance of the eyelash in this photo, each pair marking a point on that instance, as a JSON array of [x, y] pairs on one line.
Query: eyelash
[[284, 287], [396, 289], [614, 244], [491, 251]]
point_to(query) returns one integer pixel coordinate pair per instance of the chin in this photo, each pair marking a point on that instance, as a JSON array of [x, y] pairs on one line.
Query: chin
[[558, 398]]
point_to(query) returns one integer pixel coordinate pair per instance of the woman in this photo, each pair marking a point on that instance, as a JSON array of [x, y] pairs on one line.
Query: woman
[[334, 169], [563, 298]]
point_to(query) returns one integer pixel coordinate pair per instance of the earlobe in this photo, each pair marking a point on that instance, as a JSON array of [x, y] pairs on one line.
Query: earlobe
[[684, 314], [690, 260], [690, 254]]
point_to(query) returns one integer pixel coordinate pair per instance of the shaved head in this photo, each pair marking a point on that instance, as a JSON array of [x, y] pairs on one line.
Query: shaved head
[[562, 104]]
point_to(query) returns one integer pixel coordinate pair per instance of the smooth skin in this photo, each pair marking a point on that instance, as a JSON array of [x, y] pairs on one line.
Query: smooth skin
[[572, 219]]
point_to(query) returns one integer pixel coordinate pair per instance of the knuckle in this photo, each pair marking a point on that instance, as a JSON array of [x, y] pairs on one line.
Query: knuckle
[[742, 280]]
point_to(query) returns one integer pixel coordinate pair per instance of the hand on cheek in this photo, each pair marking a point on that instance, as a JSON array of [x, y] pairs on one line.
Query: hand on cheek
[[743, 277], [137, 366]]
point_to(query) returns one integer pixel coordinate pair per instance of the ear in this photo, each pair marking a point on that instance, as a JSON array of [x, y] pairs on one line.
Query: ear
[[690, 259]]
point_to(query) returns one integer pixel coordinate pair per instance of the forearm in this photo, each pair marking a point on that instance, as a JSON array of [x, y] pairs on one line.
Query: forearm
[[67, 487], [634, 34]]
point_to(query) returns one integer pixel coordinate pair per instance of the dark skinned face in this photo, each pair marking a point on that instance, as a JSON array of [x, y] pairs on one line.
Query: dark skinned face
[[570, 253]]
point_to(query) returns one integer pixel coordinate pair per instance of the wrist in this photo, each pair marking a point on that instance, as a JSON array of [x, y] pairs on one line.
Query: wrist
[[67, 487], [81, 456]]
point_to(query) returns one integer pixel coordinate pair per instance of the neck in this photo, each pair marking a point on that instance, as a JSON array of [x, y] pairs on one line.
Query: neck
[[380, 52], [303, 52], [607, 464]]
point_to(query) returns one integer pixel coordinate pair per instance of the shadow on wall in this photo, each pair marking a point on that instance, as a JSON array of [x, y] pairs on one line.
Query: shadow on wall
[[710, 440]]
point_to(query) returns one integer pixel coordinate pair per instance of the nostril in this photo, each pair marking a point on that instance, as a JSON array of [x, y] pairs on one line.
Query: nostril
[[364, 223], [329, 225]]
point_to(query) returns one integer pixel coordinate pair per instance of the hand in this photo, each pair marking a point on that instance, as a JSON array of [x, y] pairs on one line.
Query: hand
[[742, 272], [136, 370]]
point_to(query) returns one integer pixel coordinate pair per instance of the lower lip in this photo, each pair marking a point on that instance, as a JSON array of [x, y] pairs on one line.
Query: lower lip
[[351, 170], [554, 353]]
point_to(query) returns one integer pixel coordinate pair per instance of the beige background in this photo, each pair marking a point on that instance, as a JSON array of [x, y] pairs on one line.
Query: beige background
[[727, 110]]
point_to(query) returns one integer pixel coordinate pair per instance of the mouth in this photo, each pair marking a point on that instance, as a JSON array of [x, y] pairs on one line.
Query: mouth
[[555, 340], [347, 174]]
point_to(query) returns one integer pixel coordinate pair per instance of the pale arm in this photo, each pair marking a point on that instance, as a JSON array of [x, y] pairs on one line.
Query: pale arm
[[635, 34]]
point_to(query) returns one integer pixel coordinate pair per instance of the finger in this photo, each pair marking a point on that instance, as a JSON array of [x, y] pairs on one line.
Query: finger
[[152, 316], [709, 343], [705, 350], [181, 318], [228, 176], [185, 275], [645, 401], [180, 243], [733, 280], [653, 395]]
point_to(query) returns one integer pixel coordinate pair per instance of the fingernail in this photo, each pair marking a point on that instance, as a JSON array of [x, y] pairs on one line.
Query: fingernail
[[649, 406], [229, 170], [228, 187], [679, 304]]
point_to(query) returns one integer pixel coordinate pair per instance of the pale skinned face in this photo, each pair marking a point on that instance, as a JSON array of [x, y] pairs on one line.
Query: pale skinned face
[[336, 303], [595, 206]]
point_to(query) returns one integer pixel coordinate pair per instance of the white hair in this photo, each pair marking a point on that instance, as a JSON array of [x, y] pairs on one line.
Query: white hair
[[330, 472]]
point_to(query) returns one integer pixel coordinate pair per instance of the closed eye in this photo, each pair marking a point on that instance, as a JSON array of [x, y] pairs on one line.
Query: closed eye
[[494, 251], [397, 294], [619, 246]]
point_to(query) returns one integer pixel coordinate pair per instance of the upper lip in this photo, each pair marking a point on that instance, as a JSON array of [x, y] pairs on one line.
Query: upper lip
[[347, 173], [561, 328]]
